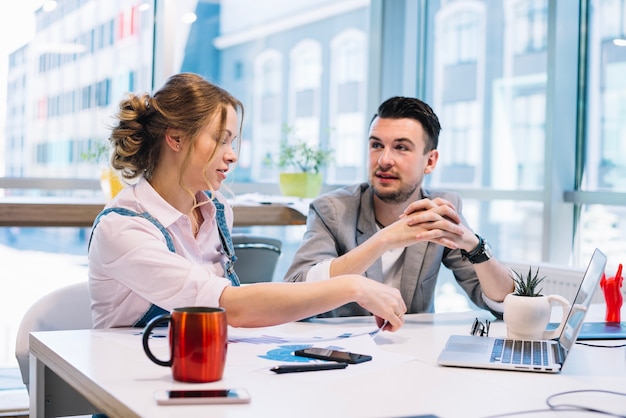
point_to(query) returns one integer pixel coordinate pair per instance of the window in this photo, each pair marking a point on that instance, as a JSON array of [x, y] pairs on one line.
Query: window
[[490, 95], [541, 140], [80, 78], [606, 131], [528, 139], [305, 72], [460, 144], [268, 77], [61, 86], [347, 123], [459, 33], [609, 18], [602, 223], [533, 128], [530, 25], [304, 67], [458, 76]]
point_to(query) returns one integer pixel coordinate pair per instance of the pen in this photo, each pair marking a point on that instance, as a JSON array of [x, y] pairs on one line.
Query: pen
[[375, 333], [309, 367]]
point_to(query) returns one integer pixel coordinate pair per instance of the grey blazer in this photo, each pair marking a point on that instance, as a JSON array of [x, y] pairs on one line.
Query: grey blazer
[[344, 218]]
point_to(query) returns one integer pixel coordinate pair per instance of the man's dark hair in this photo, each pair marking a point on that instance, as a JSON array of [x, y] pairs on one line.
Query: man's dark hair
[[409, 107]]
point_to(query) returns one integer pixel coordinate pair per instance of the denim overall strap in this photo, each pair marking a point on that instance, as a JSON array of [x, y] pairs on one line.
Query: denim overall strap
[[127, 212], [153, 310], [227, 242]]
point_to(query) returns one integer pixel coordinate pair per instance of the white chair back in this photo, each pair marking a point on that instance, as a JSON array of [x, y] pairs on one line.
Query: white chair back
[[63, 309]]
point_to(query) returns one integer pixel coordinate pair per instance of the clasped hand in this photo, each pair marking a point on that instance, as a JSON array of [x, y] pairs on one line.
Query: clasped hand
[[433, 220]]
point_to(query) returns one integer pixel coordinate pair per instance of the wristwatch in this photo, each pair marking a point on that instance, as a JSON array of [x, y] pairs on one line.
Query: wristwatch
[[480, 254]]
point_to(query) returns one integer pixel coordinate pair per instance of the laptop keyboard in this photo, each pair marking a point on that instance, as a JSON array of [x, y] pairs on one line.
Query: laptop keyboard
[[532, 353]]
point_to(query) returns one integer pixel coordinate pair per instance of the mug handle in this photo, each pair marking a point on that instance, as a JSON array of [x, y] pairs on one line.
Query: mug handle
[[146, 335], [548, 335]]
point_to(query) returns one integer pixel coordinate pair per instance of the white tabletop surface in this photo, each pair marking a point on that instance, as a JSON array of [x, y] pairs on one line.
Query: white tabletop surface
[[110, 369]]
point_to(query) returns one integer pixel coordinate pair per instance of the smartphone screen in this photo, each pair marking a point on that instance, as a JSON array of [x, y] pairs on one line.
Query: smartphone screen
[[333, 355], [201, 396]]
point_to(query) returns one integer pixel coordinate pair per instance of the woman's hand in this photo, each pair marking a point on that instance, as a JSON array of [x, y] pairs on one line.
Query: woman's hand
[[384, 302]]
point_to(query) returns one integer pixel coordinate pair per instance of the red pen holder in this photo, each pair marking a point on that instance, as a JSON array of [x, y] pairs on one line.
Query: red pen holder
[[612, 288]]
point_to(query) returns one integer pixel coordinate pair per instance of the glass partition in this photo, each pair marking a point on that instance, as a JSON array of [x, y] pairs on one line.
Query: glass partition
[[64, 84], [605, 135], [61, 85], [604, 143], [297, 65], [488, 86]]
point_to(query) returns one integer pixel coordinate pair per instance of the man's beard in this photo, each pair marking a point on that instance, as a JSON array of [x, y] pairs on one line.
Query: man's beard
[[395, 196]]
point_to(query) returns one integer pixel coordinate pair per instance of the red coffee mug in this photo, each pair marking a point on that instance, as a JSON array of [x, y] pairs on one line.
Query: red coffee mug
[[198, 341]]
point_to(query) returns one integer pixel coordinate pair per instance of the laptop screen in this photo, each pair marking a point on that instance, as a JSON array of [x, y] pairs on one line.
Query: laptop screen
[[588, 286]]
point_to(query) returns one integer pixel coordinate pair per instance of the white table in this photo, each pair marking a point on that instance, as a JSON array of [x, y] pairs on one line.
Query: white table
[[117, 377]]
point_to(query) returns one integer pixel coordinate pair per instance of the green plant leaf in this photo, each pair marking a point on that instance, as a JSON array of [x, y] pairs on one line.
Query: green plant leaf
[[98, 152], [298, 154], [527, 286]]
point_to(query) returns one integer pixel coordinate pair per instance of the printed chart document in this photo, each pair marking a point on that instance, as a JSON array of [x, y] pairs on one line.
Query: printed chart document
[[258, 350]]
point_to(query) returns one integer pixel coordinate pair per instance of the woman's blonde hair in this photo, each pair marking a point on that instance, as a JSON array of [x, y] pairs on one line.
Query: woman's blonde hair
[[186, 102]]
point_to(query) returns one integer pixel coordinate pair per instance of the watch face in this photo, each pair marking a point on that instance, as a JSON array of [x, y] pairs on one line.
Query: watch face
[[487, 250]]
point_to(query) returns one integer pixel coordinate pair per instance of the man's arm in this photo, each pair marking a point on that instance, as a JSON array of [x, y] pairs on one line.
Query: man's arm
[[330, 236], [433, 218], [495, 279], [329, 245], [360, 258], [319, 243], [402, 233]]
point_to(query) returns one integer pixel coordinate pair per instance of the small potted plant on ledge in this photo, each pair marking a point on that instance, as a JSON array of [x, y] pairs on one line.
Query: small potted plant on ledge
[[99, 153], [527, 312], [306, 160]]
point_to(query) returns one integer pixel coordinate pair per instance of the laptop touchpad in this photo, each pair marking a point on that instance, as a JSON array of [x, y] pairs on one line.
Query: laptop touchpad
[[467, 348]]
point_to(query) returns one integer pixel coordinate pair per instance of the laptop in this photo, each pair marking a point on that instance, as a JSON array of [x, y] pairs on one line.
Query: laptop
[[536, 355]]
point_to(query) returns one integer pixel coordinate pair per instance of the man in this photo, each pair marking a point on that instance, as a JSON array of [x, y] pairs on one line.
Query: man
[[393, 231]]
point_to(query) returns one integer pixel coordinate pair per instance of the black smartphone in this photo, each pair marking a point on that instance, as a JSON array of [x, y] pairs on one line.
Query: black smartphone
[[333, 355], [201, 396]]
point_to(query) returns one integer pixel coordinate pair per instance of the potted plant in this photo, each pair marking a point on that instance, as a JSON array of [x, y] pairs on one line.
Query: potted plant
[[99, 153], [527, 286], [305, 161], [527, 312]]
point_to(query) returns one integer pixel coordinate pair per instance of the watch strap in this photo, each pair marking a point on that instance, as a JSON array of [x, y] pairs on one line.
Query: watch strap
[[478, 254]]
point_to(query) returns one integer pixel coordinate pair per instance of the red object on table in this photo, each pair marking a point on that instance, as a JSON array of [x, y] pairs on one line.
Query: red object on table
[[613, 295]]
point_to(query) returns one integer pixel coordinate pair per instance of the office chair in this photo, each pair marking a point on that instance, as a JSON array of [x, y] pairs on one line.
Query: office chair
[[66, 308], [257, 257]]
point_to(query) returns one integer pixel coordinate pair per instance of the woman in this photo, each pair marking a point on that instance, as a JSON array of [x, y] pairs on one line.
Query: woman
[[158, 246]]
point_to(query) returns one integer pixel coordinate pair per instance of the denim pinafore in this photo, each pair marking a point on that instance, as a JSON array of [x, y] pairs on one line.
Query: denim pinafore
[[225, 238]]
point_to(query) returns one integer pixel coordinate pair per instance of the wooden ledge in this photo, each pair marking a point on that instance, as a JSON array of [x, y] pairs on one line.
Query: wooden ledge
[[67, 214]]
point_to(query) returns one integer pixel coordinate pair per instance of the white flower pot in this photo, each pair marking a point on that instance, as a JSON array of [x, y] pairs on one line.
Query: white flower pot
[[526, 317]]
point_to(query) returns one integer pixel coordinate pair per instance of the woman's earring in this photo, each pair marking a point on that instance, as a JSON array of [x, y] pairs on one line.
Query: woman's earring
[[177, 147]]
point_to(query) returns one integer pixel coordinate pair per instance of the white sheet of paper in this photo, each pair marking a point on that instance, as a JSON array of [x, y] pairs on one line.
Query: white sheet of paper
[[250, 357]]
